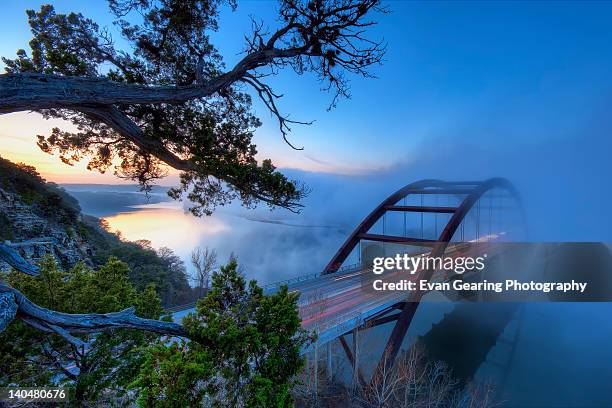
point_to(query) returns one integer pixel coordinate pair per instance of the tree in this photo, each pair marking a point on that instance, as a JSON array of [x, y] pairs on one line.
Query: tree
[[161, 267], [109, 361], [204, 261], [416, 381], [169, 99], [253, 351]]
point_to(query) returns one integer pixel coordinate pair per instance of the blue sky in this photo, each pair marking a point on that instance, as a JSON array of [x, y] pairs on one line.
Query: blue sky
[[467, 90], [454, 70]]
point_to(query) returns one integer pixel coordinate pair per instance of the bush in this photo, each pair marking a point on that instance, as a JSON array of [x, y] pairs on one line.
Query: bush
[[244, 352]]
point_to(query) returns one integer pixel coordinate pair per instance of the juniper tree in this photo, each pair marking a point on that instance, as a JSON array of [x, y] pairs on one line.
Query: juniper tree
[[252, 355], [107, 362], [168, 100]]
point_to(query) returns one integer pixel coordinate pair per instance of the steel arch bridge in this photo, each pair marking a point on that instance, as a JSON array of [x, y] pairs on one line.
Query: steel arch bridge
[[471, 191], [469, 194], [333, 304]]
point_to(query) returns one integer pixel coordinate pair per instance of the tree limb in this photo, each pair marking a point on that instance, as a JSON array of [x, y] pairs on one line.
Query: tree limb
[[130, 130], [14, 304], [35, 91], [65, 324], [172, 95], [11, 257]]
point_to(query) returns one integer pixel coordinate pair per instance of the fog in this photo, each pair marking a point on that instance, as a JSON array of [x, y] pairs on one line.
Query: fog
[[563, 183]]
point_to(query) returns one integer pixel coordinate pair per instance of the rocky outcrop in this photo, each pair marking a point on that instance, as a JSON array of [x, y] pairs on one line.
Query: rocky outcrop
[[8, 309], [33, 236]]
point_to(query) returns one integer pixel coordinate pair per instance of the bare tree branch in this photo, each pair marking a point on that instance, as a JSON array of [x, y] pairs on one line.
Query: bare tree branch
[[10, 256], [14, 304], [204, 260], [65, 324], [268, 97]]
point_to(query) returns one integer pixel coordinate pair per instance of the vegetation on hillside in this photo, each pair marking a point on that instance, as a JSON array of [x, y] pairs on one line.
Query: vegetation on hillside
[[108, 361], [147, 266], [244, 350], [47, 199], [160, 267]]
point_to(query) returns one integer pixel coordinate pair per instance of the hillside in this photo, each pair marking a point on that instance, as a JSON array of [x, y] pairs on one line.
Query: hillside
[[39, 219]]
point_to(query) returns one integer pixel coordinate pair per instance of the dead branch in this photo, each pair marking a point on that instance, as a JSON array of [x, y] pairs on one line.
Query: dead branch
[[11, 257], [65, 324]]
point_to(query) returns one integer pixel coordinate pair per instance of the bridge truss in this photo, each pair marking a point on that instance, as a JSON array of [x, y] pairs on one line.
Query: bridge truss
[[428, 214], [452, 205]]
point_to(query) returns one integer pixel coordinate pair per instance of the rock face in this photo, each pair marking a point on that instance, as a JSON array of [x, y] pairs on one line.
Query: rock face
[[34, 236], [8, 309]]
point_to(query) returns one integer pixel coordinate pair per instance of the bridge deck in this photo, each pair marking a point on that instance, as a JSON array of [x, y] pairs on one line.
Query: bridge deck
[[334, 304]]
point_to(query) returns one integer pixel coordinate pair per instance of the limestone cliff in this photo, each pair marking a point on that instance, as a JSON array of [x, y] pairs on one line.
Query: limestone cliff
[[37, 218]]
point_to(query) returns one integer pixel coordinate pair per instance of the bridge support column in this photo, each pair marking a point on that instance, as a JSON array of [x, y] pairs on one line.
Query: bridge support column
[[397, 336], [355, 378], [349, 354], [330, 374], [316, 370]]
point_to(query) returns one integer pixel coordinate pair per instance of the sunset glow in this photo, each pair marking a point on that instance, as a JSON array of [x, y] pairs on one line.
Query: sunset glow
[[21, 129], [165, 225]]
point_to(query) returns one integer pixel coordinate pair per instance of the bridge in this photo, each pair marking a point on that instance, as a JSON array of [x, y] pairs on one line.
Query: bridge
[[431, 217]]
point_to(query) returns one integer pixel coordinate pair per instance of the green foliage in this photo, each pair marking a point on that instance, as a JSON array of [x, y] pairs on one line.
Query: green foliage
[[172, 376], [245, 350], [109, 364], [170, 47], [162, 268]]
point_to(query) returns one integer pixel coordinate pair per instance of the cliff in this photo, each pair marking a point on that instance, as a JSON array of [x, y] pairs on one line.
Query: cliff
[[34, 236], [38, 218]]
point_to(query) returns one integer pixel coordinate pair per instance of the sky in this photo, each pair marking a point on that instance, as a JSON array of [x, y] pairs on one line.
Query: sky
[[467, 90]]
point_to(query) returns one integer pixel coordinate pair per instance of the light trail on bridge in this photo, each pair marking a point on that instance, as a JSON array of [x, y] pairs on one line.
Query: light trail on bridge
[[340, 299]]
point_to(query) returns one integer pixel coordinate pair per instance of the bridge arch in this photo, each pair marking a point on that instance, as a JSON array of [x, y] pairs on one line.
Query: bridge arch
[[470, 191]]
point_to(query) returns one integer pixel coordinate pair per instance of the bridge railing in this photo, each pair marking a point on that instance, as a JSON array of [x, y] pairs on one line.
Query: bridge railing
[[303, 278], [274, 286]]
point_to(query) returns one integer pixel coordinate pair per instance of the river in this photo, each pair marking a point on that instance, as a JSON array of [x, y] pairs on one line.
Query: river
[[562, 351]]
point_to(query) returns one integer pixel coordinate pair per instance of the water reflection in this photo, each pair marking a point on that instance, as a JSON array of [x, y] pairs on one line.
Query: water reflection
[[165, 225], [269, 246]]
